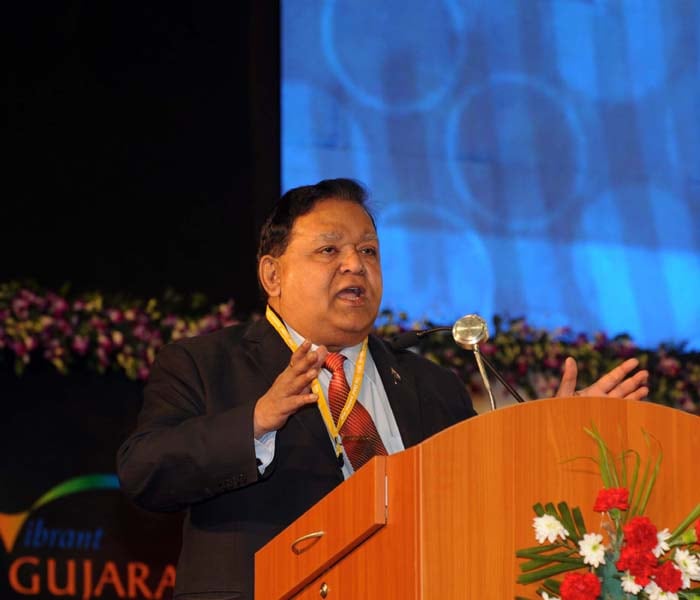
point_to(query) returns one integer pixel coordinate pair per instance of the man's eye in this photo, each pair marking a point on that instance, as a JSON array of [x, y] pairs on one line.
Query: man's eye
[[369, 251], [328, 250]]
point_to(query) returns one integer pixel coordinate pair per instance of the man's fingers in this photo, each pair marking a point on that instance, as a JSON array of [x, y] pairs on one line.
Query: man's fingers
[[272, 412], [639, 394], [617, 383], [304, 367], [300, 360], [302, 381], [304, 358], [611, 380], [630, 385], [322, 353], [567, 386], [304, 399], [292, 404], [291, 390]]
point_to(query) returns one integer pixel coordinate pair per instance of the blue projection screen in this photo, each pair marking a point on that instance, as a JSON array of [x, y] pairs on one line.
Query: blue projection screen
[[534, 158]]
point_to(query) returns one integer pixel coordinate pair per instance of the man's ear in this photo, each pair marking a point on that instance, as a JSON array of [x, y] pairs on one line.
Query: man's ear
[[269, 275]]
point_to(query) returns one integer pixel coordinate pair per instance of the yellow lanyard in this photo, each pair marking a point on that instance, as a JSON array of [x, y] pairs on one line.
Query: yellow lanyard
[[333, 428]]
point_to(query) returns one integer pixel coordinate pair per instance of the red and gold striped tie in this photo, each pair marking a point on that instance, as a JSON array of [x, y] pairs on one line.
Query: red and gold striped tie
[[360, 437]]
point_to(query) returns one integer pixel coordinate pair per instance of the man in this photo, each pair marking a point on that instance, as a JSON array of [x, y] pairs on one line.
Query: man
[[235, 426]]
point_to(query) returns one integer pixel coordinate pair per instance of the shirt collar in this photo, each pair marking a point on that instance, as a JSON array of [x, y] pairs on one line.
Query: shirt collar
[[351, 352]]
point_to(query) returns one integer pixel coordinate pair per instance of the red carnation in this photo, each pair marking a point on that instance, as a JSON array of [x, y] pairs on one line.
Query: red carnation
[[697, 531], [668, 578], [580, 586], [640, 533], [641, 564], [612, 498]]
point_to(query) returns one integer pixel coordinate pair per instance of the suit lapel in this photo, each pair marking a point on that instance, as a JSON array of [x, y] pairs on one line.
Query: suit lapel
[[400, 388], [267, 350]]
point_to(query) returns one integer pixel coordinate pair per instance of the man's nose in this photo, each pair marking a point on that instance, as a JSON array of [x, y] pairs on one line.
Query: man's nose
[[352, 262]]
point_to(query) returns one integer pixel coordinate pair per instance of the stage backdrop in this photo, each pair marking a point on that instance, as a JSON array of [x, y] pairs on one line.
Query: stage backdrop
[[527, 158]]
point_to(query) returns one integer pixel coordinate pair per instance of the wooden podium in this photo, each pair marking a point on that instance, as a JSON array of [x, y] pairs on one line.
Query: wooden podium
[[443, 519]]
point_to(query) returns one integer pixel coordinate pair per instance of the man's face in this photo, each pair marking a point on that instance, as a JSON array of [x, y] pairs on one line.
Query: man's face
[[328, 283]]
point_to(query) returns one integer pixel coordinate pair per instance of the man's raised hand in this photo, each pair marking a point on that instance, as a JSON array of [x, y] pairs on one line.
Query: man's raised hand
[[290, 391], [618, 382]]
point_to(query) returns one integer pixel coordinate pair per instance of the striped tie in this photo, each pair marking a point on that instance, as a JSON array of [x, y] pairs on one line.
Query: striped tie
[[360, 437]]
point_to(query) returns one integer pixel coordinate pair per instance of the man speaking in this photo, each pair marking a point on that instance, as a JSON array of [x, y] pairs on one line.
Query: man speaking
[[246, 428]]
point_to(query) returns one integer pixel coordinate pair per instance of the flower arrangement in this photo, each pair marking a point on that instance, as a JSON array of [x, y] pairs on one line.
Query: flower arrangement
[[629, 558], [101, 333]]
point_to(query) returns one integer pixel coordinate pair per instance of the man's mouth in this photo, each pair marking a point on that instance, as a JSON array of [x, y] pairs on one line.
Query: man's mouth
[[352, 293]]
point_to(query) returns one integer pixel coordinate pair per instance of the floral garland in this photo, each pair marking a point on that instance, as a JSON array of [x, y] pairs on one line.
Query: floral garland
[[92, 332], [121, 334], [531, 359]]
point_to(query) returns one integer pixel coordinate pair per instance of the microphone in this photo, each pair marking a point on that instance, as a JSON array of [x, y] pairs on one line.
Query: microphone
[[411, 338], [467, 332]]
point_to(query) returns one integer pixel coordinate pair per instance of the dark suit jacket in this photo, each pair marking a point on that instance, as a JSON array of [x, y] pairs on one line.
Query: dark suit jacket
[[193, 446]]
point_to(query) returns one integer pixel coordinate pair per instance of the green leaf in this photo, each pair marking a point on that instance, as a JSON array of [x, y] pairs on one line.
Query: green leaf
[[536, 550], [623, 469], [568, 521], [689, 520], [632, 487], [578, 519], [648, 483], [543, 561], [551, 510], [552, 586], [607, 467], [548, 572]]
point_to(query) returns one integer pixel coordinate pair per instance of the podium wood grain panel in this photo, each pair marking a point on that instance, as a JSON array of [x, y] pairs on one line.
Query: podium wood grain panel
[[477, 510], [387, 564], [460, 503], [346, 516]]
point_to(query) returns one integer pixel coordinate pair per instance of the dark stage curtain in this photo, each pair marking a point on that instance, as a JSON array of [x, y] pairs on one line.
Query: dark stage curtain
[[144, 151]]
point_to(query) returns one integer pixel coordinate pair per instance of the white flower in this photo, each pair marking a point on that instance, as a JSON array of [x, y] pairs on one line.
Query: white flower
[[592, 549], [546, 596], [656, 593], [548, 528], [661, 545], [629, 585], [688, 564]]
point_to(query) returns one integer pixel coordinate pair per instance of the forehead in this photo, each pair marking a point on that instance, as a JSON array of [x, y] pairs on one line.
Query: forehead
[[335, 218]]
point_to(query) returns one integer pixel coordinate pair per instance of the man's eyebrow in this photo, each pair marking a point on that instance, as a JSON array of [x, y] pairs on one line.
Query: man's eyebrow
[[334, 236], [330, 236]]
